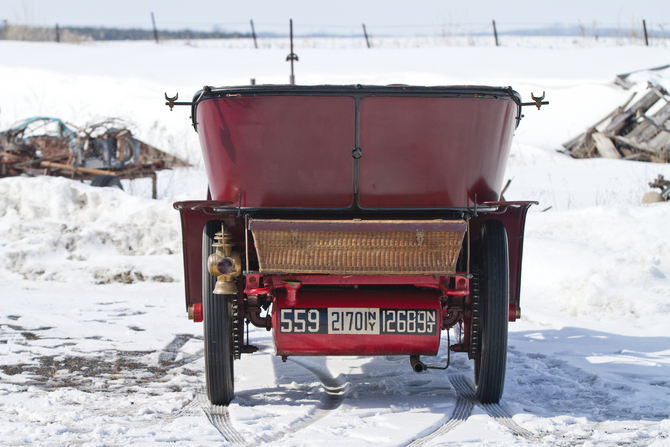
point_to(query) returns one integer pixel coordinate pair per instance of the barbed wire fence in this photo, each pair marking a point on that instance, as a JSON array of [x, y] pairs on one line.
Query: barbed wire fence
[[262, 35]]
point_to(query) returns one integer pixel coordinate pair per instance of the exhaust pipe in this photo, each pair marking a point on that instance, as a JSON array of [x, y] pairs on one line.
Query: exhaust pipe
[[417, 365]]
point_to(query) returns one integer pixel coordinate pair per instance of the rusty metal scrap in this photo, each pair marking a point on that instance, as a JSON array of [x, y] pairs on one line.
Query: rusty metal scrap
[[660, 182], [106, 146], [652, 196]]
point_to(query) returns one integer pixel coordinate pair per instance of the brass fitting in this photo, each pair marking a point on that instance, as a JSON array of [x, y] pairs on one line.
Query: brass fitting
[[195, 313], [224, 263]]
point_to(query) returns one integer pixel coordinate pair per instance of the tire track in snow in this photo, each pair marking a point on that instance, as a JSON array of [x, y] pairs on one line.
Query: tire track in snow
[[220, 418], [496, 411], [336, 389], [461, 413], [502, 416], [465, 403], [335, 392]]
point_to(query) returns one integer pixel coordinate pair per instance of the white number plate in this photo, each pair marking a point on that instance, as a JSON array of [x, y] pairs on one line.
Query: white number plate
[[357, 320]]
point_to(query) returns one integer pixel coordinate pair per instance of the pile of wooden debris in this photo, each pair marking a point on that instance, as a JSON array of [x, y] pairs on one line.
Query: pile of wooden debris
[[630, 134]]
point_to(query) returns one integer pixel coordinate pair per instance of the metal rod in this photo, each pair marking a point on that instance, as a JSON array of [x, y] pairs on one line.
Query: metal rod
[[448, 354], [253, 33], [57, 33], [292, 79], [495, 32], [246, 240], [153, 21], [468, 242], [646, 38], [475, 205], [292, 57], [365, 32]]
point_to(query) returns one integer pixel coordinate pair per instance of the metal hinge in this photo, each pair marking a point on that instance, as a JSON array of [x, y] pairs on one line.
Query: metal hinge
[[420, 236]]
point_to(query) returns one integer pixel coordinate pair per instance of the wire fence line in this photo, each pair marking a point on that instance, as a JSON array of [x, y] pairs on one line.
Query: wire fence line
[[266, 35], [457, 27], [655, 28], [408, 43]]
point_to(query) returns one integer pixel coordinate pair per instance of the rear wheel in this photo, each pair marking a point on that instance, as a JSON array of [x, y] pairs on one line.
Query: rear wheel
[[492, 307], [218, 330]]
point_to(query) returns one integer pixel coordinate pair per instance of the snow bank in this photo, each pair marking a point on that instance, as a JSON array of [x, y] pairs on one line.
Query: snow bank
[[587, 363], [599, 260], [56, 229]]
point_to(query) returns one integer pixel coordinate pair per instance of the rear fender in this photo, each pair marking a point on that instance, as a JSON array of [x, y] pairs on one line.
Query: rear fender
[[194, 216], [513, 217]]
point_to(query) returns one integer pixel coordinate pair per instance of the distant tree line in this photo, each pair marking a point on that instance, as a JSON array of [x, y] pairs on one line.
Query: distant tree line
[[82, 34], [143, 34]]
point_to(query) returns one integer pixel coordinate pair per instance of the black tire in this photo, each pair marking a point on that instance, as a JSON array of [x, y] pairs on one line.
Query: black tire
[[493, 307], [111, 181], [218, 330]]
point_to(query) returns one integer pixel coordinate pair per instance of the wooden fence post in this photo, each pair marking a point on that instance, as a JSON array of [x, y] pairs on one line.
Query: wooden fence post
[[57, 33], [495, 32], [365, 32], [253, 33], [153, 21], [646, 39]]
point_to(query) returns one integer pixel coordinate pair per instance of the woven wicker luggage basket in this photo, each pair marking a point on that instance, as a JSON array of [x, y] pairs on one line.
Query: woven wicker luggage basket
[[358, 247]]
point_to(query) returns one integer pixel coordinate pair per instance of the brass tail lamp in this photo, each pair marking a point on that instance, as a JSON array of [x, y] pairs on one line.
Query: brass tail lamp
[[224, 263]]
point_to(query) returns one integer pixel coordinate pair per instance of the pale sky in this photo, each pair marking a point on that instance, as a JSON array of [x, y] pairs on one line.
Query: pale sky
[[339, 17]]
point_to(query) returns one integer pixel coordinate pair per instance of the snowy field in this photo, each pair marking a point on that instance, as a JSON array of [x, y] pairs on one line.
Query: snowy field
[[95, 346]]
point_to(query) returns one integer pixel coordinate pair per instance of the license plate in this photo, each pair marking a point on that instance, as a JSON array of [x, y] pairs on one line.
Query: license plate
[[357, 320]]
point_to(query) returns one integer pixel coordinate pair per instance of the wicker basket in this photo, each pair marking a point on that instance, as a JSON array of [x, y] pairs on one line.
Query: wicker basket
[[286, 247]]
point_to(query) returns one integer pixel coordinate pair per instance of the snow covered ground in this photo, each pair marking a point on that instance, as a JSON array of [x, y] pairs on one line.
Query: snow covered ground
[[95, 346]]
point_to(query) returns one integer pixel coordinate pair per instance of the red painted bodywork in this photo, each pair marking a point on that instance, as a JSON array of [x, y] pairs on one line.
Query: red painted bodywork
[[279, 151], [428, 281], [345, 153], [433, 152], [273, 282], [383, 344], [295, 151], [197, 313]]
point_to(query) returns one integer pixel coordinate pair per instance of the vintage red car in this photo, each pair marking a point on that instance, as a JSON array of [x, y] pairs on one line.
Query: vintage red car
[[355, 220]]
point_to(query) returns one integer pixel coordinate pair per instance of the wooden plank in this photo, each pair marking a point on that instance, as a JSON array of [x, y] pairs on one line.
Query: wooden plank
[[582, 145], [605, 147], [624, 119], [152, 154], [76, 169], [660, 141], [644, 147], [645, 130], [570, 145]]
